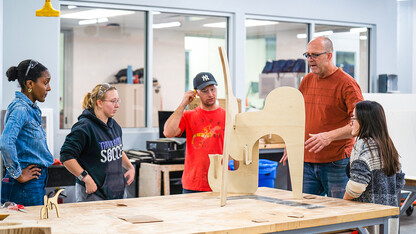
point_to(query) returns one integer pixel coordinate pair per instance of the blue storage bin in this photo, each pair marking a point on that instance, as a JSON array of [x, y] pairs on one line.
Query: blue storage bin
[[267, 173], [231, 165]]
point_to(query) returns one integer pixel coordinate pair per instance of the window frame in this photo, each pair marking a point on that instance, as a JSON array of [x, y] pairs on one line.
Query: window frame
[[148, 57], [371, 43]]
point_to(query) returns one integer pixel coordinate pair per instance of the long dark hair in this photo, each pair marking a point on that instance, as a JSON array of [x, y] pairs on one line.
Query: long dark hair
[[372, 119], [21, 73]]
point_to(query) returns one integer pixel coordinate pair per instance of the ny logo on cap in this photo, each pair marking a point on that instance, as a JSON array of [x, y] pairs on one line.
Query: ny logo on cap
[[205, 78]]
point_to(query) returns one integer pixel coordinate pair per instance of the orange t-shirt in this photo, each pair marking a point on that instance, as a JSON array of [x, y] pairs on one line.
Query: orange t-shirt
[[329, 104], [204, 135]]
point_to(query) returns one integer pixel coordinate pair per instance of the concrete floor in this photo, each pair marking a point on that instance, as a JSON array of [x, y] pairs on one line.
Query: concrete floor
[[408, 224]]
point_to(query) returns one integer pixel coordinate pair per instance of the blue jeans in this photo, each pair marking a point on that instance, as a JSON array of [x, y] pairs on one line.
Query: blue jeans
[[325, 178], [28, 194]]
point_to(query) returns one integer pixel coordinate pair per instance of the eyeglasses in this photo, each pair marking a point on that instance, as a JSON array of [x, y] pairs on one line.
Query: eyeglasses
[[313, 55], [206, 91], [32, 64], [114, 101], [103, 88]]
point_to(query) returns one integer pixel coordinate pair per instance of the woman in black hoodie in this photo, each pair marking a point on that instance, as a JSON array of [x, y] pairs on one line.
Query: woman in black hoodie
[[93, 150]]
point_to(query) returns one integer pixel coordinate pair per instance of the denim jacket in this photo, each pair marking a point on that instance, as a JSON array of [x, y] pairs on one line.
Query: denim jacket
[[24, 141]]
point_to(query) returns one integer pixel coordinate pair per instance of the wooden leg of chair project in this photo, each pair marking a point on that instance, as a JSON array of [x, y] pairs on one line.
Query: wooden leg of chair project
[[231, 109], [44, 209], [295, 163]]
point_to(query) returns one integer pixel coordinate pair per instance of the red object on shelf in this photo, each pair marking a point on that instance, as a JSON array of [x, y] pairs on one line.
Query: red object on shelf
[[56, 162]]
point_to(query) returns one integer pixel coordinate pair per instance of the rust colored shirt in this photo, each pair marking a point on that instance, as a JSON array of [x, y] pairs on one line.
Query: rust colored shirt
[[329, 104]]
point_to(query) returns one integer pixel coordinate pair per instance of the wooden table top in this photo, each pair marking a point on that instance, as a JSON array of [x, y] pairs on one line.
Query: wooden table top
[[267, 210], [410, 180]]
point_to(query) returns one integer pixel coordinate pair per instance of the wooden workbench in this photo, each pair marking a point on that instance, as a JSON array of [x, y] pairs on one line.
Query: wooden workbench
[[150, 178], [265, 211]]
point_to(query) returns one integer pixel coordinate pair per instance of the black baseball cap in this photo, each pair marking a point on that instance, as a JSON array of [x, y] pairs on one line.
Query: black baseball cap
[[204, 79]]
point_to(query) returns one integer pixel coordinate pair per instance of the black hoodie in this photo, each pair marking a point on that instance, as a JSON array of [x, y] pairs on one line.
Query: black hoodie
[[98, 149]]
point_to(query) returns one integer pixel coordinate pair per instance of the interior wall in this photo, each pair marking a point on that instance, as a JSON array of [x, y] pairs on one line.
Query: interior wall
[[289, 48], [414, 47], [27, 36], [168, 64], [204, 59], [348, 42], [404, 45], [401, 125], [91, 52]]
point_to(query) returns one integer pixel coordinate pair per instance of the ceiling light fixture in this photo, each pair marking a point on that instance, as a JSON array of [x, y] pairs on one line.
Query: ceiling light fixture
[[93, 21], [301, 35], [358, 30], [248, 23], [96, 14], [215, 25], [167, 25], [255, 23], [323, 33], [86, 22]]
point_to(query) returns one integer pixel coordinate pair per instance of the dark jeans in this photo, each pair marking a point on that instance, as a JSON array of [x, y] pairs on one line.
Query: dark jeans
[[325, 178], [185, 191], [28, 194]]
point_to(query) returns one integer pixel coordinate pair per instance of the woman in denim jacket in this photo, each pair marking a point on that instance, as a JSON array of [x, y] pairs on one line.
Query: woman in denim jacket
[[23, 143]]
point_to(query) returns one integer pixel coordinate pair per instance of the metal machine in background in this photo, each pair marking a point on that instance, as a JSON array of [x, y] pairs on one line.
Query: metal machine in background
[[167, 149]]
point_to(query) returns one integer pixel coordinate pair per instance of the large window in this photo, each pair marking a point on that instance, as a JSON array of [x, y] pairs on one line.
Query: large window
[[106, 45], [274, 55], [350, 50], [272, 43], [101, 45], [185, 45]]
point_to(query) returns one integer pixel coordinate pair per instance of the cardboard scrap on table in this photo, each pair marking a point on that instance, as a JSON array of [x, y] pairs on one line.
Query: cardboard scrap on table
[[140, 219], [295, 215], [309, 196], [260, 220], [3, 216]]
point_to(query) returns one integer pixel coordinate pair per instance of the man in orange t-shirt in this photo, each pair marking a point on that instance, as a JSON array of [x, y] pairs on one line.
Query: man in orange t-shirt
[[204, 128], [330, 95]]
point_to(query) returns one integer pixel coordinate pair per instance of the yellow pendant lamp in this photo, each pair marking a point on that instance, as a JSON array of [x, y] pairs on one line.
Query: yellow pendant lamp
[[47, 10]]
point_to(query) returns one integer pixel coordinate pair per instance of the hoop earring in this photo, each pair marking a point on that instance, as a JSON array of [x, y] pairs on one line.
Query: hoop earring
[[29, 90]]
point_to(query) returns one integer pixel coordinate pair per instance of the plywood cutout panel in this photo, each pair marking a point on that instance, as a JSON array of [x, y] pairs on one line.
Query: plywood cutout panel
[[283, 115]]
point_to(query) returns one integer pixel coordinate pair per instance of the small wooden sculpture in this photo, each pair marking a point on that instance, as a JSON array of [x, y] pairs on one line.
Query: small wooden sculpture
[[283, 115], [48, 204]]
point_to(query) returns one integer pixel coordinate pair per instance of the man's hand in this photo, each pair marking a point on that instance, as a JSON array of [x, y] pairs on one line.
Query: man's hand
[[29, 173], [129, 175], [188, 97], [284, 158], [90, 185], [317, 142]]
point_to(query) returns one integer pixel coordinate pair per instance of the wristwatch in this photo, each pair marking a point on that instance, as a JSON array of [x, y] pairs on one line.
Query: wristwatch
[[83, 174]]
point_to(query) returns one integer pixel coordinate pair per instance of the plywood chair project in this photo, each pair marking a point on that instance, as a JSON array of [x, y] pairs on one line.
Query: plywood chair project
[[283, 115]]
